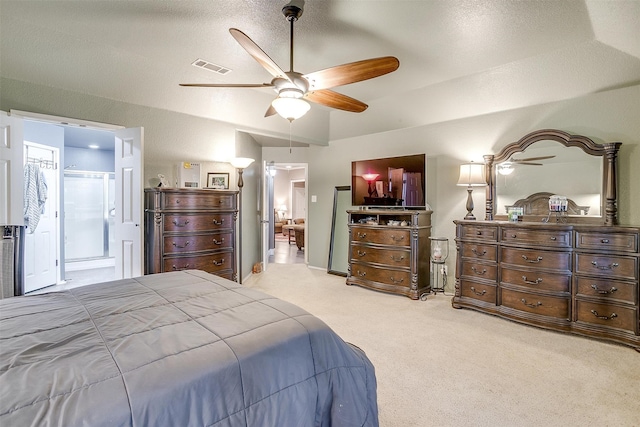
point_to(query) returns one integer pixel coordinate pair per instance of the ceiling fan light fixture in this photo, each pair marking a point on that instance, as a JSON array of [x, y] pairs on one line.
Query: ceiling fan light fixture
[[290, 108], [505, 169]]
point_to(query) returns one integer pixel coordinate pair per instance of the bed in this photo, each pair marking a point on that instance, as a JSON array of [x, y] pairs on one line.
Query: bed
[[176, 349]]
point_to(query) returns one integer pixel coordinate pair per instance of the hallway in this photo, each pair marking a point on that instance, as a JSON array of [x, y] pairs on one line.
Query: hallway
[[286, 253]]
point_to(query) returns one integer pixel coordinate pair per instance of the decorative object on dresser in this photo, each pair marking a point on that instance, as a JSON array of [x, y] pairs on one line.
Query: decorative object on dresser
[[389, 251], [218, 180], [471, 175], [190, 229], [578, 275]]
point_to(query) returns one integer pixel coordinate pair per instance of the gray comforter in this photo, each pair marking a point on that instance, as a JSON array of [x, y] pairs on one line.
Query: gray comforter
[[176, 349]]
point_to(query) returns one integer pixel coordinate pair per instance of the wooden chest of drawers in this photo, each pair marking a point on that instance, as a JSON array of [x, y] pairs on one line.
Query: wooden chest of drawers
[[190, 229], [576, 278], [390, 258]]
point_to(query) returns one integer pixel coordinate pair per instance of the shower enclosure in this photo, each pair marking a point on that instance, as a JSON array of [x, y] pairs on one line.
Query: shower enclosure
[[89, 214]]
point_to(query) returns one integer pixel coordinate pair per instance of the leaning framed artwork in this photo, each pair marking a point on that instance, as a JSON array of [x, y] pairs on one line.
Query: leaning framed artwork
[[218, 180]]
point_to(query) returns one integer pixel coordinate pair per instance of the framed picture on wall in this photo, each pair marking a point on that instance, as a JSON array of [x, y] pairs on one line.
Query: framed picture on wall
[[218, 180]]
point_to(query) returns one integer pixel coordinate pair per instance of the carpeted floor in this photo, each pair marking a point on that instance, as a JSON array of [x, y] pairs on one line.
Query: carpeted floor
[[438, 366]]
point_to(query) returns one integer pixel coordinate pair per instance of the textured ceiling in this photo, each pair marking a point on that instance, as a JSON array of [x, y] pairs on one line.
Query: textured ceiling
[[458, 58]]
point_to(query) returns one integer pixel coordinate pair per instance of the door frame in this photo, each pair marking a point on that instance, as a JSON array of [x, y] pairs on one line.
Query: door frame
[[67, 121]]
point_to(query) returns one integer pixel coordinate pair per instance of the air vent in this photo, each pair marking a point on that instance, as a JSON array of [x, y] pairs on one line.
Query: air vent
[[201, 63]]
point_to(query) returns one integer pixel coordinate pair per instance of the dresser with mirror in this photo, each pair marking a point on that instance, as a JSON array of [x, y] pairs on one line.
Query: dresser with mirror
[[574, 270]]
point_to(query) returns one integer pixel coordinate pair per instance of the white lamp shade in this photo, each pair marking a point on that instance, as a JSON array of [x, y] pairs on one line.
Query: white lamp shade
[[291, 108], [241, 162], [472, 175], [370, 176]]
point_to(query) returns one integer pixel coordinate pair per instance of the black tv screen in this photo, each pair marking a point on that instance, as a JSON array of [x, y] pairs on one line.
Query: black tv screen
[[389, 182]]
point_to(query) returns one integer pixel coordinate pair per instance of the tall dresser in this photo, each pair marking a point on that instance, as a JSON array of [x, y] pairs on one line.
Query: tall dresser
[[581, 279], [389, 250], [190, 229]]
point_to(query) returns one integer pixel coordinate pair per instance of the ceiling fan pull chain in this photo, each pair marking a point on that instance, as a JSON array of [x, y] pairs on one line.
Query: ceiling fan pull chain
[[290, 125]]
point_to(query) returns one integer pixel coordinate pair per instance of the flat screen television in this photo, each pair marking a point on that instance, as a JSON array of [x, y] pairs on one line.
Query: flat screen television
[[389, 182]]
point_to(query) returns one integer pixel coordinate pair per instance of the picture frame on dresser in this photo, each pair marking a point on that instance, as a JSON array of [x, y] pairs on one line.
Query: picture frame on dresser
[[218, 180]]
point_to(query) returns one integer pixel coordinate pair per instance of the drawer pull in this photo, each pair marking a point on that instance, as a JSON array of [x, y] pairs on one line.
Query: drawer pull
[[603, 291], [535, 282], [475, 251], [177, 224], [394, 281], [174, 268], [611, 316], [478, 233], [361, 235], [605, 240], [605, 267], [524, 301], [554, 238], [532, 261], [513, 236], [216, 222], [181, 247], [473, 289], [215, 241], [475, 270], [398, 259], [218, 263], [361, 254], [397, 239], [362, 273]]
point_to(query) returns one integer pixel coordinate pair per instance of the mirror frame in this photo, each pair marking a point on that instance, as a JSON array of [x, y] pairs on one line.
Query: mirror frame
[[608, 151], [330, 267]]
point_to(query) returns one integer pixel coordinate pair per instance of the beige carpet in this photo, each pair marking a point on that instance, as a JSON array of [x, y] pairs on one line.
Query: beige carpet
[[438, 366]]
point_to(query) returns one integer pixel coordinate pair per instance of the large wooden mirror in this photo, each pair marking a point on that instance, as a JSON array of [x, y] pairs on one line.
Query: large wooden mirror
[[339, 243], [547, 162]]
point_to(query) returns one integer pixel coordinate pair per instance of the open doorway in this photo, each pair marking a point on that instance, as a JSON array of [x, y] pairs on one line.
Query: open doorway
[[95, 195], [289, 201]]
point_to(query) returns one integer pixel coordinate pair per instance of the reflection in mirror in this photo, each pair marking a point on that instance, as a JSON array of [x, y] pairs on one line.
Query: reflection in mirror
[[339, 243], [548, 167]]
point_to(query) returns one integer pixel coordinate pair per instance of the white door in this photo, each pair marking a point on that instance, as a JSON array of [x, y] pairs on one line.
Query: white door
[[299, 199], [11, 170], [412, 190], [129, 209], [41, 245]]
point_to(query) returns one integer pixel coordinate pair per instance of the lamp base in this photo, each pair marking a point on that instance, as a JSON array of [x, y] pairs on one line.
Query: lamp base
[[469, 215]]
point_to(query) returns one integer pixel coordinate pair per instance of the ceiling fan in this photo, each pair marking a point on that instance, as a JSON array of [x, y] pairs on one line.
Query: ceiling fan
[[295, 88], [506, 168]]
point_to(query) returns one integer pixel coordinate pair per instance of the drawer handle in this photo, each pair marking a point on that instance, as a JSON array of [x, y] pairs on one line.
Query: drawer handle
[[478, 233], [473, 289], [535, 282], [394, 281], [603, 291], [177, 224], [400, 258], [532, 261], [610, 317], [215, 241], [362, 273], [475, 251], [216, 222], [218, 263], [605, 267], [524, 301], [361, 254], [181, 247], [554, 238], [605, 240], [397, 239], [174, 268], [513, 236], [475, 270], [361, 235]]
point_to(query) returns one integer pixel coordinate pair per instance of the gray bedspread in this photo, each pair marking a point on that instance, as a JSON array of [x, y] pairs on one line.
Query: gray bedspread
[[176, 349]]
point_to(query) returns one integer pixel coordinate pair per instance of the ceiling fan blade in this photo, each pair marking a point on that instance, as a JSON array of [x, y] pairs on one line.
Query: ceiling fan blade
[[529, 163], [270, 111], [533, 158], [352, 72], [258, 54], [337, 100], [226, 85]]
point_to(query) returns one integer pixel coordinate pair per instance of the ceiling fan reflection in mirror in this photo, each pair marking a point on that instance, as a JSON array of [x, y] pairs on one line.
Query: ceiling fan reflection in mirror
[[295, 89], [506, 168]]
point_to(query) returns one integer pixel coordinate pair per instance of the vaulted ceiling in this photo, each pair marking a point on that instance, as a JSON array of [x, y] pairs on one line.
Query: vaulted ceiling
[[458, 58]]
